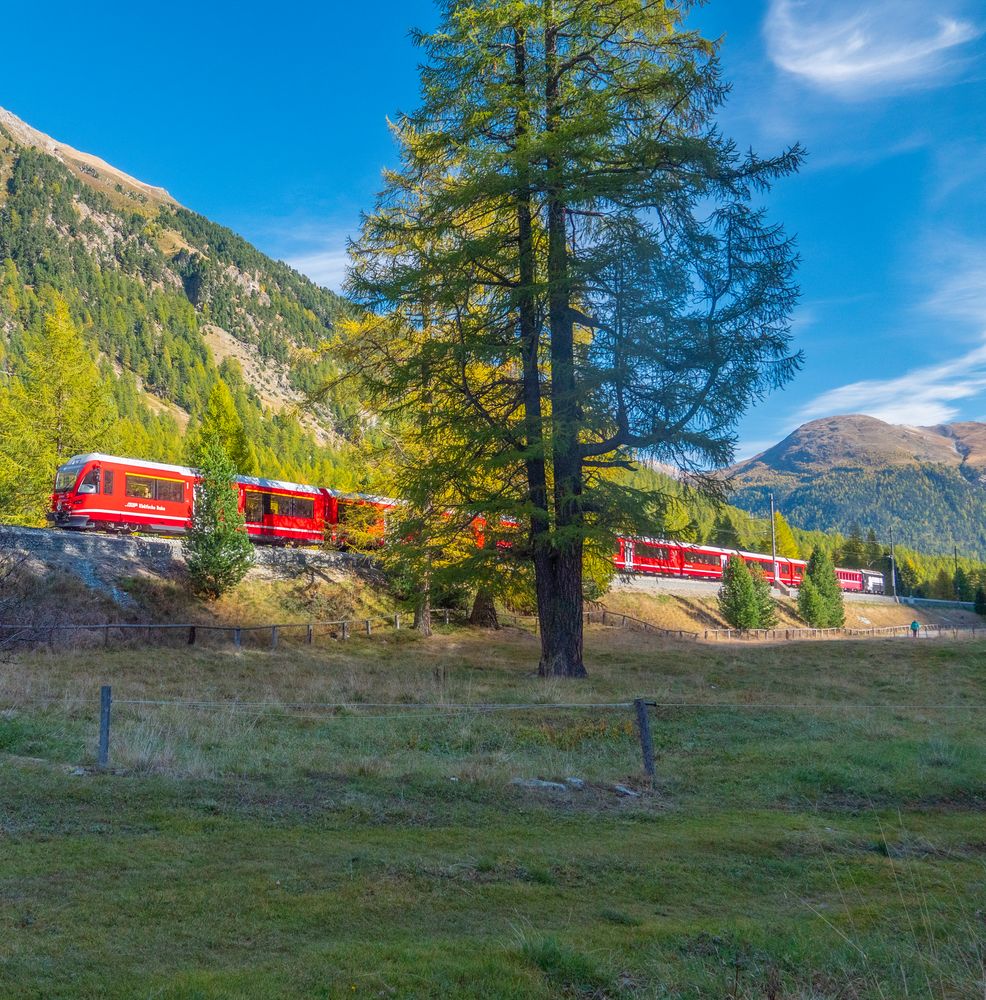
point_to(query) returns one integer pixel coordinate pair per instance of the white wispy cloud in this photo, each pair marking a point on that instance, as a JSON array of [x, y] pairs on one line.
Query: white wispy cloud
[[922, 396], [326, 267], [929, 394], [855, 48]]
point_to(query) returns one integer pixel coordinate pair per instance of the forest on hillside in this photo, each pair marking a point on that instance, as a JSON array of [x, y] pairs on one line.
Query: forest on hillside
[[140, 287]]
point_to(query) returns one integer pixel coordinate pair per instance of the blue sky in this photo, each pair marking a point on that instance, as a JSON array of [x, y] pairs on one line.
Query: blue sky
[[273, 122]]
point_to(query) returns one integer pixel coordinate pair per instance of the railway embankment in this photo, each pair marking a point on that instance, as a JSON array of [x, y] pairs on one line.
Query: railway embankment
[[105, 565]]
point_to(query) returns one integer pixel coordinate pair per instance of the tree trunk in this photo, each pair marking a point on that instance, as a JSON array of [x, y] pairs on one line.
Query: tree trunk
[[422, 611], [559, 581], [484, 610]]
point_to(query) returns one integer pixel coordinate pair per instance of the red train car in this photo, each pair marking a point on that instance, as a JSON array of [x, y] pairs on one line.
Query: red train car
[[122, 494], [357, 520], [658, 557], [286, 513]]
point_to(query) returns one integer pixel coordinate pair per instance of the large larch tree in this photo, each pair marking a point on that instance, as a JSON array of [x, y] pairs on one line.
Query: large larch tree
[[571, 270]]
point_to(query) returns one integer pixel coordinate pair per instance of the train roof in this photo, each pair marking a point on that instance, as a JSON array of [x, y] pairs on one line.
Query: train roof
[[277, 484], [76, 461], [363, 497]]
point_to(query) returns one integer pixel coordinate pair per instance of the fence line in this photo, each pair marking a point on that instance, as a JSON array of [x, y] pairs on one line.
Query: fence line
[[10, 633], [639, 707], [889, 631]]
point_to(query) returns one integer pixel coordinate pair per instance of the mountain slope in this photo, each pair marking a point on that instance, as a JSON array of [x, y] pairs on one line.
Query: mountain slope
[[927, 483], [171, 303]]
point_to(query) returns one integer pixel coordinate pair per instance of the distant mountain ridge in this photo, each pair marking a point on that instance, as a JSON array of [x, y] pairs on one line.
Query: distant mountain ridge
[[928, 483]]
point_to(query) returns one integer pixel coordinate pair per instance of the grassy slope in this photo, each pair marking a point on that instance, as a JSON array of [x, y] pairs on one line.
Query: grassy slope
[[278, 853]]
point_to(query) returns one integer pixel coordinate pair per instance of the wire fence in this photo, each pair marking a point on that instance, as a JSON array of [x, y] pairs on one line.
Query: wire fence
[[192, 633], [628, 726], [886, 631], [270, 635]]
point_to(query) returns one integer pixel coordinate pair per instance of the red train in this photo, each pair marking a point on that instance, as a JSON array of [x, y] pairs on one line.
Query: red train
[[658, 557], [107, 493]]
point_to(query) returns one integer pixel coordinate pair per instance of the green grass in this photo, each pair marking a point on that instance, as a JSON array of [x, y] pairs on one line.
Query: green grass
[[828, 851]]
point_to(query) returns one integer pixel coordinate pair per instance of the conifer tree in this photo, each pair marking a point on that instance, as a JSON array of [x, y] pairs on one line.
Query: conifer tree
[[784, 536], [980, 601], [874, 553], [820, 599], [551, 216], [853, 552], [962, 585], [766, 608], [738, 600], [811, 605], [55, 405], [725, 534], [217, 549], [221, 424]]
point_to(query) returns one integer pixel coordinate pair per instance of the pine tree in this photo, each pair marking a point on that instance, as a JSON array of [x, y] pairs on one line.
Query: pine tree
[[217, 549], [783, 536], [853, 551], [811, 605], [980, 601], [550, 215], [822, 607], [221, 424], [54, 406], [738, 600], [766, 608], [724, 533], [874, 553], [962, 585]]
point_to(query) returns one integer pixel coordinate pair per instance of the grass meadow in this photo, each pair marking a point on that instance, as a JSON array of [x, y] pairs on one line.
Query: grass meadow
[[331, 821]]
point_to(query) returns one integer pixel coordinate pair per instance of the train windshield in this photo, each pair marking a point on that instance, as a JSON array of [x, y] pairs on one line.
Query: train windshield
[[65, 479]]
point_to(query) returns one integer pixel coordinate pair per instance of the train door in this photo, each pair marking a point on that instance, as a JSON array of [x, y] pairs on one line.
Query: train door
[[628, 557]]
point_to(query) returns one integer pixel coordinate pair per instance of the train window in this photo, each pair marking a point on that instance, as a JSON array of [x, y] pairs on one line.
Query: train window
[[272, 504], [298, 507], [65, 480], [107, 481], [91, 479], [702, 558], [172, 490], [253, 507], [140, 487], [653, 552]]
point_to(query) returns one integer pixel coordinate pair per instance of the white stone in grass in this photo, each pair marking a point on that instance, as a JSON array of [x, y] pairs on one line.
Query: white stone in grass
[[577, 783], [623, 790], [551, 786]]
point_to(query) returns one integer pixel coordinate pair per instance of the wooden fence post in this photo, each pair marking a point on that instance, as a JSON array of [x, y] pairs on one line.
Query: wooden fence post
[[273, 637], [646, 743], [237, 638], [191, 635], [345, 630], [446, 616], [397, 622], [106, 636], [105, 704], [311, 631], [368, 629]]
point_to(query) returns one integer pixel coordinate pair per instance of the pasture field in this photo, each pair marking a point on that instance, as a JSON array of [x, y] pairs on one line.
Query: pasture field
[[817, 828]]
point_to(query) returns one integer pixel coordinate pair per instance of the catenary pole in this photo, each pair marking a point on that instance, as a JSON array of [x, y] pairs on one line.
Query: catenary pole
[[893, 566], [773, 542]]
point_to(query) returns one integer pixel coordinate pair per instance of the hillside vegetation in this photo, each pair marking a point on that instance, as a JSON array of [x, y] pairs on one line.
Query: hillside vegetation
[[925, 483], [150, 285]]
